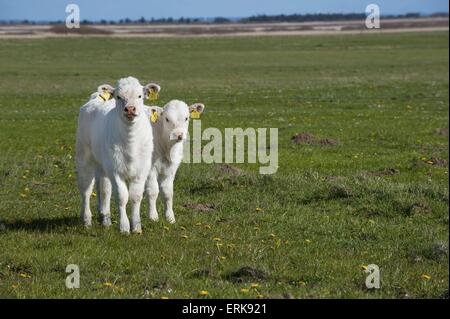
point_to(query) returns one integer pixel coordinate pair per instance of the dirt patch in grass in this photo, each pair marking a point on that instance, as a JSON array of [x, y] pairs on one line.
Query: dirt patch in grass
[[442, 131], [310, 139], [204, 208], [247, 274], [229, 169], [433, 161], [437, 251], [382, 172], [436, 161], [306, 138], [328, 141], [419, 208]]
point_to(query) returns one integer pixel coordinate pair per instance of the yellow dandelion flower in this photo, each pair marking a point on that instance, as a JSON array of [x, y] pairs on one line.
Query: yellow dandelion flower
[[94, 194], [254, 285], [426, 277], [222, 257], [24, 275], [164, 297], [26, 189], [302, 283], [245, 290], [217, 239], [203, 293], [185, 236], [166, 228], [14, 286], [273, 235], [182, 228], [307, 241], [198, 224], [364, 267], [259, 296], [23, 195], [258, 209], [207, 226], [108, 284]]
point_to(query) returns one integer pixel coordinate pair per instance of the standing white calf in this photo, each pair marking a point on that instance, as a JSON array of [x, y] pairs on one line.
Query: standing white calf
[[170, 128], [114, 143]]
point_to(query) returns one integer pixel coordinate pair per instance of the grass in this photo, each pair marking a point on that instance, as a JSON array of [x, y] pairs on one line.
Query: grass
[[376, 197]]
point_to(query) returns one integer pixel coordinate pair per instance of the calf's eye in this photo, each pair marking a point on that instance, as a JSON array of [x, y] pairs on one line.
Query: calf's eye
[[167, 120], [186, 119], [140, 96], [118, 97]]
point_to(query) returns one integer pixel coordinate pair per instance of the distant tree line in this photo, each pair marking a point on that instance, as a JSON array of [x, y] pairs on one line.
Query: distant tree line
[[223, 20]]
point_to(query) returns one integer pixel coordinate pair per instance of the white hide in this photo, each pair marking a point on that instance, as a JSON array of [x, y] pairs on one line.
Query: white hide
[[114, 145], [169, 132]]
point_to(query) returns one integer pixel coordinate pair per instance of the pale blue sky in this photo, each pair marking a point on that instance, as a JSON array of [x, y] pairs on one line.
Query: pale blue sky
[[44, 10]]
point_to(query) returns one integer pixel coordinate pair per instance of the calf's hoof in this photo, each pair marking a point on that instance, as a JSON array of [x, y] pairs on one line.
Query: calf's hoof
[[106, 222], [125, 227], [87, 223], [153, 217], [137, 229], [170, 218]]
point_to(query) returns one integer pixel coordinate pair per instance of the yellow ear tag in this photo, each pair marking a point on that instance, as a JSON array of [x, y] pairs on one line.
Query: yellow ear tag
[[105, 96], [154, 117], [195, 114], [152, 96]]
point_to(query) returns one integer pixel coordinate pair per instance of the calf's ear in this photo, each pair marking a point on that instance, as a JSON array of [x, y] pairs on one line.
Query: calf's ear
[[154, 112], [105, 88], [105, 91], [151, 91], [197, 107]]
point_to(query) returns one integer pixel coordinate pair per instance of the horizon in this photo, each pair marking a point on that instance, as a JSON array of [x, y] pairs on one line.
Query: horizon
[[54, 10], [205, 19]]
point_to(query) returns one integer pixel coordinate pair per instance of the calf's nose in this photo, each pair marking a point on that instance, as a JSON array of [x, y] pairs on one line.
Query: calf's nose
[[130, 109]]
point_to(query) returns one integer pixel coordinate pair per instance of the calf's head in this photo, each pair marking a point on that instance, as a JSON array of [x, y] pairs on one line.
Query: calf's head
[[174, 119], [129, 95]]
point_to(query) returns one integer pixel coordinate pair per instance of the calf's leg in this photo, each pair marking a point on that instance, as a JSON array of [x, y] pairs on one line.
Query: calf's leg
[[85, 181], [152, 190], [136, 192], [120, 190], [167, 191], [104, 194]]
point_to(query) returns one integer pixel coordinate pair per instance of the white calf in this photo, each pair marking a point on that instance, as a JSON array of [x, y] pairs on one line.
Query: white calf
[[170, 127], [114, 143]]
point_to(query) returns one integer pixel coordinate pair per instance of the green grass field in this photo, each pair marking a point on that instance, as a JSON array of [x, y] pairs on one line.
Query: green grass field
[[379, 196]]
